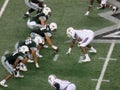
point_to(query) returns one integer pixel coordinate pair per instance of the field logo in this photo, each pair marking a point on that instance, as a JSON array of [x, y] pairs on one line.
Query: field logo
[[109, 34]]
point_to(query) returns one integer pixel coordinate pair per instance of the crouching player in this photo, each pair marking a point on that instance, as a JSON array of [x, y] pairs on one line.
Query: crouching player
[[46, 33], [11, 61], [83, 38], [60, 84], [33, 44]]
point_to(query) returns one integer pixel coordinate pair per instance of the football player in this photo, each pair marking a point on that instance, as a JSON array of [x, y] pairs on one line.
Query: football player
[[46, 34], [60, 84], [90, 6], [34, 5], [102, 4], [10, 62], [32, 43], [40, 19], [83, 38]]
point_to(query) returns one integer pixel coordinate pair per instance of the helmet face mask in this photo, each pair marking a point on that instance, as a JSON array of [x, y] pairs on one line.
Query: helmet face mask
[[47, 11], [24, 49], [53, 26], [51, 78]]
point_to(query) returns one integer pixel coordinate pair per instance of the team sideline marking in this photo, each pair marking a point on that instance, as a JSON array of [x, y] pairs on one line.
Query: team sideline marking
[[105, 66], [3, 7]]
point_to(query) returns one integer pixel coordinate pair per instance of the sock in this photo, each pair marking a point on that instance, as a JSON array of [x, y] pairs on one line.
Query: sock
[[18, 73]]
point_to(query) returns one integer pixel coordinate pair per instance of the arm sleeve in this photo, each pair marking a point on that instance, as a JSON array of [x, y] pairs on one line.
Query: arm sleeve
[[57, 86]]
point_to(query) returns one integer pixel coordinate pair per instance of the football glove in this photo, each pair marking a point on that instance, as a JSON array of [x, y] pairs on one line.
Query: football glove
[[79, 43]]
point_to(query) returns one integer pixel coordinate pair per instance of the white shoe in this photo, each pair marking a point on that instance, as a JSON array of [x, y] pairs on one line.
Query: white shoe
[[39, 55], [3, 84], [37, 66], [93, 51], [87, 13], [30, 61], [19, 76], [45, 46], [86, 60], [23, 67], [99, 7]]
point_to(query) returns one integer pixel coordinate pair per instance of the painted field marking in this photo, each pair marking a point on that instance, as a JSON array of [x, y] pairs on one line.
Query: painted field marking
[[55, 58], [105, 66], [113, 59], [102, 80], [3, 7]]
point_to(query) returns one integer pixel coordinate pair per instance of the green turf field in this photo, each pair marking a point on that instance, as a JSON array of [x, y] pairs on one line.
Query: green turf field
[[65, 13]]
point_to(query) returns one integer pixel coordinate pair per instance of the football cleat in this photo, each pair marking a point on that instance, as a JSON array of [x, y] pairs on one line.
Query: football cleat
[[30, 61], [23, 67], [37, 66], [39, 55], [92, 51], [3, 84], [19, 76], [45, 46], [86, 60]]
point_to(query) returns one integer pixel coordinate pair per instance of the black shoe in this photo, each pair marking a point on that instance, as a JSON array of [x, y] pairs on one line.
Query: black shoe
[[25, 16]]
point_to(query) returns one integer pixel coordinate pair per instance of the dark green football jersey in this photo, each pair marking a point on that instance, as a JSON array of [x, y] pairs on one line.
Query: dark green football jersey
[[34, 1], [42, 31], [28, 42], [15, 55], [36, 18]]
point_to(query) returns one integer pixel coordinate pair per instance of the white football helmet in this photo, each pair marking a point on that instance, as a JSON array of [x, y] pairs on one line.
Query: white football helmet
[[47, 11], [53, 26], [70, 32], [38, 40], [24, 49], [51, 79]]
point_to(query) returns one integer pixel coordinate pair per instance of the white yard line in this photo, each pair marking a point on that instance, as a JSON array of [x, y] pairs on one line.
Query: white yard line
[[105, 66], [3, 7]]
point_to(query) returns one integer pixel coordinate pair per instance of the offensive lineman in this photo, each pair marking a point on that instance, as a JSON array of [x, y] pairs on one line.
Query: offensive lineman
[[11, 61], [32, 44], [40, 19], [34, 5], [46, 34], [60, 84], [83, 38]]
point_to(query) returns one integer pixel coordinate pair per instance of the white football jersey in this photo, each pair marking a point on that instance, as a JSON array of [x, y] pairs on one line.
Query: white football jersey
[[82, 34], [63, 83]]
